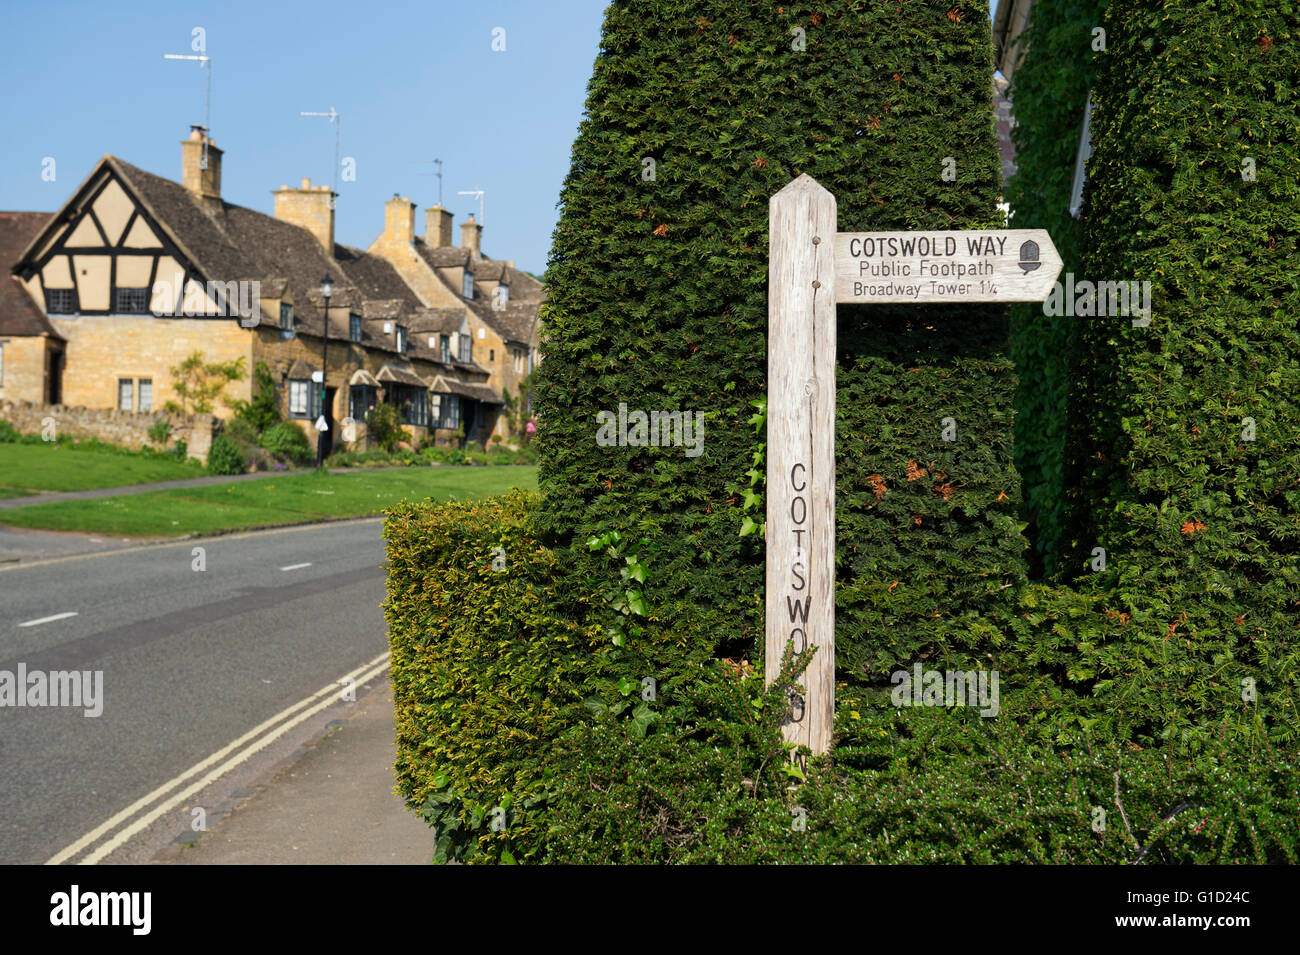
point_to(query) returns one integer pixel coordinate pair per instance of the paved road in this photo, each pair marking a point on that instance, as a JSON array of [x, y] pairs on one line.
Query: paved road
[[191, 660]]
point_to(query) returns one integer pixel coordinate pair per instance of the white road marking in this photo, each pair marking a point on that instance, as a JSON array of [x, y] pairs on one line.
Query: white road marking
[[374, 667], [57, 616], [296, 566]]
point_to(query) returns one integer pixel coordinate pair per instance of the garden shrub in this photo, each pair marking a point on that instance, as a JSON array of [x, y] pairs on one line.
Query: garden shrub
[[1185, 452], [384, 426], [224, 457], [658, 299], [288, 442]]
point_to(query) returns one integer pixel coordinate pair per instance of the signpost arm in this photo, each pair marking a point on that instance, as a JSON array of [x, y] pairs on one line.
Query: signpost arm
[[800, 591]]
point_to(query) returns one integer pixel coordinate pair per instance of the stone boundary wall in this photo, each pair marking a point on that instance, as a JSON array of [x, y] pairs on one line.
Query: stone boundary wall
[[126, 428]]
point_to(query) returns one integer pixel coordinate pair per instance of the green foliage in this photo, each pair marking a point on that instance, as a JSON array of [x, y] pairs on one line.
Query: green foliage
[[263, 411], [658, 289], [288, 442], [1200, 523], [517, 407], [224, 457], [384, 426], [1050, 93], [160, 431], [198, 383], [489, 665]]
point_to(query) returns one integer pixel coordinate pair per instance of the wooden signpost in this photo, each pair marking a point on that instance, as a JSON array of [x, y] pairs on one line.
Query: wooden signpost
[[811, 268]]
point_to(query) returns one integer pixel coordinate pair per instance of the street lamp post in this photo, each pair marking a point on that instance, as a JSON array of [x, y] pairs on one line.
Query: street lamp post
[[326, 290]]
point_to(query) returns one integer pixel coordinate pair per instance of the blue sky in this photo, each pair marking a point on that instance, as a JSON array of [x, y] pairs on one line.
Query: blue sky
[[412, 81]]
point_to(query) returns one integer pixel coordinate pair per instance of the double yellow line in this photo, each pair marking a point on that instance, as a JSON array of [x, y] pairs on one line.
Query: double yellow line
[[243, 748]]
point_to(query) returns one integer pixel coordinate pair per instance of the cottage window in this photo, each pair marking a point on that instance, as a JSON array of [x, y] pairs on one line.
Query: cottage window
[[401, 339], [466, 349], [125, 393], [467, 284], [132, 301], [502, 295], [413, 403], [60, 301], [361, 399], [286, 320], [299, 390], [449, 411], [444, 348], [145, 389], [354, 328]]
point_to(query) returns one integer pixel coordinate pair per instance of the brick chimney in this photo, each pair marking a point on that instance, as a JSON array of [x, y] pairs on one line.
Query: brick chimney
[[200, 181], [471, 235], [399, 221], [309, 207], [437, 227]]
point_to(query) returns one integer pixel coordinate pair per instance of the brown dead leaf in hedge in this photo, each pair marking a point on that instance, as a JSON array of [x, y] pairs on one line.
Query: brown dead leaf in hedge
[[955, 15], [877, 484], [945, 490], [891, 587], [661, 229], [914, 472], [1191, 527], [1265, 43]]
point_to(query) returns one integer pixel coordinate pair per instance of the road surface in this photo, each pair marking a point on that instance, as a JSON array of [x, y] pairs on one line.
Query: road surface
[[208, 657]]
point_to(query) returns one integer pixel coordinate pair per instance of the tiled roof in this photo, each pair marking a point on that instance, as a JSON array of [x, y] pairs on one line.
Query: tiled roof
[[19, 315], [449, 386], [518, 318]]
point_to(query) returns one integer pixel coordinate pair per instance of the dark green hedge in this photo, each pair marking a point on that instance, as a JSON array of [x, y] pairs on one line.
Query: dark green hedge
[[1050, 92], [658, 300], [1201, 525]]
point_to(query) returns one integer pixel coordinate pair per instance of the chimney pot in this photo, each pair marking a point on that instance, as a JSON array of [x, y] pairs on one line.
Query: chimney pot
[[203, 182], [310, 209], [437, 227], [471, 236]]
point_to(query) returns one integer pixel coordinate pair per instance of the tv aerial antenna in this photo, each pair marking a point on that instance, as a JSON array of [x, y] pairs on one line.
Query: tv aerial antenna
[[336, 119], [205, 62]]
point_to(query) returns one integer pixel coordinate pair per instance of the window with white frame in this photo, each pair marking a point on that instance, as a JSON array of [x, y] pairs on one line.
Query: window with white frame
[[444, 348], [286, 320], [448, 411], [401, 339], [354, 327], [299, 395], [144, 389], [467, 284], [125, 394], [466, 349]]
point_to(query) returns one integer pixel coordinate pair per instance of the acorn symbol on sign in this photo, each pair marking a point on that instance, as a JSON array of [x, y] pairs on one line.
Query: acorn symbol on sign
[[1029, 257]]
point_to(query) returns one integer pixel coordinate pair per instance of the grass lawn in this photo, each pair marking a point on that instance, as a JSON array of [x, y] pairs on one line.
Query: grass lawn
[[27, 468], [273, 500]]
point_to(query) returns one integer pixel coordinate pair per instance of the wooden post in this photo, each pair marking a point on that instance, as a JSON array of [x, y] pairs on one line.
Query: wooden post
[[800, 591]]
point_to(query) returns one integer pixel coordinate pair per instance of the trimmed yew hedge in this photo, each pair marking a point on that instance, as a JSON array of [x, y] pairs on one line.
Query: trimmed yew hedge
[[1050, 93], [658, 300], [1201, 524]]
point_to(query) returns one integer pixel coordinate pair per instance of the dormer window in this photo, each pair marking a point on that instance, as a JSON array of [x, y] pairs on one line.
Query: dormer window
[[466, 349], [354, 328], [467, 284], [444, 348], [501, 295], [286, 320], [401, 339]]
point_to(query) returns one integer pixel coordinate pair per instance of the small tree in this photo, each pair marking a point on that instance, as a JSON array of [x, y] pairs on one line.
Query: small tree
[[384, 426], [197, 383], [263, 411]]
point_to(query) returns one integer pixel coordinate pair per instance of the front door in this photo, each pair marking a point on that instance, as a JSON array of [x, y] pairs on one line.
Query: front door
[[56, 378]]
